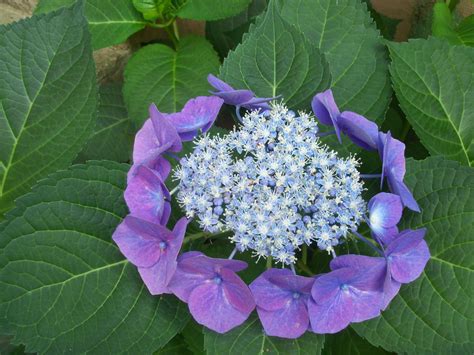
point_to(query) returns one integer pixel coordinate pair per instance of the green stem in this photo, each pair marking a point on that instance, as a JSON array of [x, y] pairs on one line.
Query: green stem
[[303, 267], [176, 29], [304, 257], [172, 36], [200, 235], [269, 262]]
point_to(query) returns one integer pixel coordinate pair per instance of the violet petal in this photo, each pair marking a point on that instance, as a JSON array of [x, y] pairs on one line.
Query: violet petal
[[408, 255], [147, 196], [289, 322], [359, 129], [326, 110], [140, 240]]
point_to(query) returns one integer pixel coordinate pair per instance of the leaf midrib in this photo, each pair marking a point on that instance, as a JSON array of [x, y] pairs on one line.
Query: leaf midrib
[[32, 102]]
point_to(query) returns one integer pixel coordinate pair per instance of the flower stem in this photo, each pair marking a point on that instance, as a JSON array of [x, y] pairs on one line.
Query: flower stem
[[200, 235], [303, 267], [269, 262], [366, 241]]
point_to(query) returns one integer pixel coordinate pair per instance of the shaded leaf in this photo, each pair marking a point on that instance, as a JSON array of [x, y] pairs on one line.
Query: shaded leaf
[[226, 34], [48, 98], [344, 31], [275, 59], [110, 21], [65, 285], [112, 138], [249, 338], [434, 83], [156, 73], [435, 314], [212, 9], [347, 342]]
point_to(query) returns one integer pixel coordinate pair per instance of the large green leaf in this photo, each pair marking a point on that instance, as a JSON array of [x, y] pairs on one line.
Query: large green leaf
[[112, 138], [226, 34], [444, 26], [347, 342], [249, 338], [48, 98], [435, 314], [212, 9], [157, 73], [65, 285], [434, 83], [276, 59], [110, 21], [345, 32]]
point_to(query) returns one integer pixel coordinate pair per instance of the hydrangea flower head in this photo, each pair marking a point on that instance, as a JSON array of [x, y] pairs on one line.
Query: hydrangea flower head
[[273, 185], [276, 190]]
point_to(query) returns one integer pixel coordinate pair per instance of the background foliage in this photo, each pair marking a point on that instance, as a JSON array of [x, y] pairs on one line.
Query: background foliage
[[65, 143]]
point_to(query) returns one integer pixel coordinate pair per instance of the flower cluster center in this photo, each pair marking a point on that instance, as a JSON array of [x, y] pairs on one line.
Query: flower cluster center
[[273, 184]]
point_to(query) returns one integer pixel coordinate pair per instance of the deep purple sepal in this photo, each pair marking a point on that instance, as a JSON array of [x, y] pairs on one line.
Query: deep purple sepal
[[385, 211], [392, 152], [343, 296], [359, 129], [216, 296], [147, 197], [326, 110], [281, 298], [197, 114], [152, 248]]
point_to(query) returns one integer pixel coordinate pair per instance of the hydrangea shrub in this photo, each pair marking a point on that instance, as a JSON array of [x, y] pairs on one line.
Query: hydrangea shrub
[[288, 202]]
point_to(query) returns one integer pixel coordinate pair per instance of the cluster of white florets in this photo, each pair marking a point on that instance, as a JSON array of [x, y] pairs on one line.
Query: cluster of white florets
[[273, 184]]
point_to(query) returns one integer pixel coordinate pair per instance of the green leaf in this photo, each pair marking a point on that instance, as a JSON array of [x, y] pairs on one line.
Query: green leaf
[[212, 9], [176, 346], [156, 73], [193, 337], [435, 314], [347, 35], [348, 342], [249, 338], [434, 84], [275, 59], [386, 25], [443, 24], [65, 285], [110, 21], [465, 31], [48, 98], [112, 139], [226, 34]]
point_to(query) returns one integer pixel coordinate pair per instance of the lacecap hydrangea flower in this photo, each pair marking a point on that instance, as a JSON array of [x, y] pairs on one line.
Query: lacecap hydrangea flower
[[276, 190]]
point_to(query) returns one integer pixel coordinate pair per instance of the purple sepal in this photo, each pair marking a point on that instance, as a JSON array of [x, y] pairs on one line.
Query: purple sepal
[[156, 137], [147, 196], [392, 152], [343, 296], [152, 248], [376, 267], [281, 298], [385, 211], [326, 110], [359, 129], [166, 134], [197, 114], [407, 255], [194, 268], [240, 98], [217, 297]]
